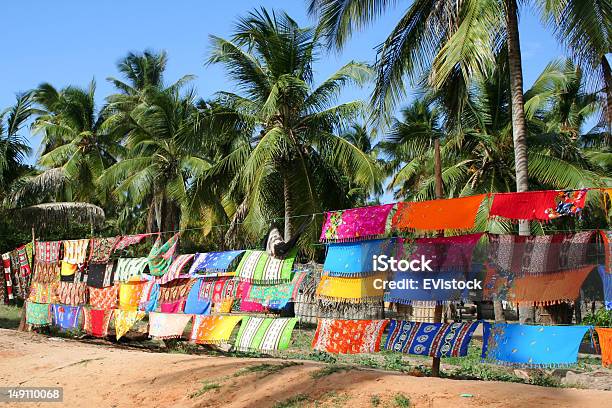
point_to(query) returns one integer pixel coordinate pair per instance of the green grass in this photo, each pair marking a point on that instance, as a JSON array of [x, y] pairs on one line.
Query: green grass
[[401, 401], [265, 369], [294, 402], [10, 316], [207, 386], [375, 400], [329, 370]]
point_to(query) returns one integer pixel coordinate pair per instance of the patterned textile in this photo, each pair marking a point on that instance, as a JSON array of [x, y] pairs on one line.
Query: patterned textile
[[606, 280], [605, 344], [356, 223], [101, 275], [408, 287], [352, 290], [167, 325], [195, 305], [264, 334], [260, 268], [7, 284], [607, 239], [129, 294], [250, 306], [213, 329], [348, 336], [177, 289], [66, 317], [75, 251], [43, 292], [103, 298], [149, 296], [161, 256], [174, 272], [532, 346], [96, 321], [434, 215], [216, 290], [445, 253], [37, 314], [430, 339], [535, 255], [354, 259], [48, 251], [549, 289], [125, 320], [176, 306], [68, 269], [528, 205], [570, 202], [20, 271], [102, 249], [127, 268], [72, 293], [128, 240], [214, 262], [46, 272], [276, 296]]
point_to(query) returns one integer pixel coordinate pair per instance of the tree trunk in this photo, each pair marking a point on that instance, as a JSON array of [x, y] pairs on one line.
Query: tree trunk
[[519, 128], [288, 209], [435, 364], [607, 74]]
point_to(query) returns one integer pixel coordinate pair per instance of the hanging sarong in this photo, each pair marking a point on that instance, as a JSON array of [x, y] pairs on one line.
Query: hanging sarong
[[277, 296], [176, 306], [75, 251], [348, 336], [605, 344], [443, 253], [218, 289], [531, 346], [435, 215], [20, 271], [569, 202], [177, 266], [149, 296], [48, 252], [355, 259], [101, 275], [430, 339], [8, 284], [264, 334], [213, 329], [537, 205], [128, 240], [102, 249], [549, 289], [260, 268], [177, 289], [103, 298], [607, 240], [167, 325], [66, 317], [129, 294], [127, 268], [72, 293], [37, 314], [195, 305], [357, 223], [251, 306], [96, 321], [541, 254], [161, 256], [212, 263], [125, 320], [352, 290], [68, 269], [43, 292], [429, 287], [606, 280]]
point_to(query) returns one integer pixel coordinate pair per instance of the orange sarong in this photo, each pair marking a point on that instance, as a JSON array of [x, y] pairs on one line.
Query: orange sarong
[[605, 343], [549, 288]]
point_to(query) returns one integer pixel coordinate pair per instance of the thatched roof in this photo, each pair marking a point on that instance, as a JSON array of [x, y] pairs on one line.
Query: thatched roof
[[53, 214]]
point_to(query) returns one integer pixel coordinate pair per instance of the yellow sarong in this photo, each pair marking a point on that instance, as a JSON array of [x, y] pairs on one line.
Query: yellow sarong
[[353, 290], [213, 329]]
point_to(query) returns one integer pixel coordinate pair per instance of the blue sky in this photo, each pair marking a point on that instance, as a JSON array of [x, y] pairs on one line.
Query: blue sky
[[71, 42]]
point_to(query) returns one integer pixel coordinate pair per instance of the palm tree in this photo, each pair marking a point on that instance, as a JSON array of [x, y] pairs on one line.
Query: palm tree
[[295, 151]]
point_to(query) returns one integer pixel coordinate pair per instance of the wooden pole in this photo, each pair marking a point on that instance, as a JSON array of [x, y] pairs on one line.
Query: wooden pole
[[435, 364]]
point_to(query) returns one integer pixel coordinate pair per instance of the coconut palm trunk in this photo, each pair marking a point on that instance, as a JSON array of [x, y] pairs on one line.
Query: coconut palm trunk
[[435, 364], [288, 208], [607, 75]]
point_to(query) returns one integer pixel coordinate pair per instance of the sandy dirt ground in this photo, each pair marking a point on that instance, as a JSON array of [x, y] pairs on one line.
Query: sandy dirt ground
[[105, 375]]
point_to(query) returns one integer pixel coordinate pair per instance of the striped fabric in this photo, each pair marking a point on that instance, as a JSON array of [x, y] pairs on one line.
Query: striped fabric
[[260, 268], [264, 334]]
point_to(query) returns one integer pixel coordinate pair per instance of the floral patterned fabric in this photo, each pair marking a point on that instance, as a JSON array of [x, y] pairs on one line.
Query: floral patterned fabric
[[102, 249], [125, 320], [103, 298], [75, 251], [66, 317], [43, 292], [48, 251], [37, 314], [177, 266], [161, 256], [348, 336], [212, 263], [72, 293], [569, 202], [46, 272], [213, 329], [177, 289], [128, 240], [356, 223]]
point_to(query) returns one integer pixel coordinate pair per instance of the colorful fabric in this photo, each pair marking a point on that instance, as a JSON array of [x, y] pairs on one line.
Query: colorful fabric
[[352, 290], [103, 298], [129, 294], [128, 240], [75, 251], [167, 325], [606, 280], [430, 339], [264, 334], [68, 269], [48, 252], [20, 271], [101, 275], [125, 320], [218, 289], [149, 297], [176, 306], [224, 306], [102, 249], [213, 329], [195, 305], [532, 346], [161, 256], [276, 296], [177, 289], [43, 292], [348, 336], [435, 215], [8, 284], [72, 293], [66, 317], [569, 202], [96, 321], [356, 223], [528, 205], [214, 262], [605, 344], [536, 255], [177, 266], [260, 268], [549, 289], [251, 306], [37, 314], [128, 268], [46, 272], [408, 287], [607, 239], [354, 259]]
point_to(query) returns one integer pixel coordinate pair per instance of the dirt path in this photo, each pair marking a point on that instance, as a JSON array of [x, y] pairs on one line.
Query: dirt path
[[105, 376]]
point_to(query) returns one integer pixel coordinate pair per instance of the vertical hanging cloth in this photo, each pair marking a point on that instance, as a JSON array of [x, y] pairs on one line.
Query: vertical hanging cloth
[[102, 249], [264, 334], [175, 269], [37, 314], [434, 215], [96, 321], [606, 280], [72, 293], [348, 336], [538, 205], [149, 296], [66, 317], [195, 305], [125, 320], [605, 344], [214, 263], [167, 325], [130, 293], [43, 292], [260, 268], [129, 268], [355, 259], [8, 283], [129, 240], [101, 275], [48, 252], [75, 251], [103, 298], [46, 272], [357, 224], [607, 240], [161, 256], [20, 271], [548, 289], [213, 329], [351, 290]]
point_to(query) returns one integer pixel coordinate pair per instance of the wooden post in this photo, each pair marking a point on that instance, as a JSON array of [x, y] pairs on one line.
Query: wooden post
[[435, 364]]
